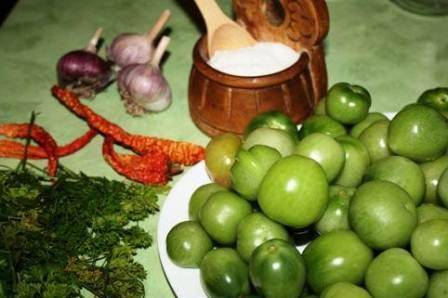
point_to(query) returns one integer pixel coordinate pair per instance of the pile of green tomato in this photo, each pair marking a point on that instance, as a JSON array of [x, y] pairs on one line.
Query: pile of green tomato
[[368, 196]]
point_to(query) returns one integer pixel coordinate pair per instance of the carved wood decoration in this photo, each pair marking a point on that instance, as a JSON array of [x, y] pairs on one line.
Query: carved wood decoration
[[296, 23]]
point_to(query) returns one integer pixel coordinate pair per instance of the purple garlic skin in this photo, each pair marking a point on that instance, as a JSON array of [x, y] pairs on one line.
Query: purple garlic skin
[[83, 72], [143, 89], [130, 48]]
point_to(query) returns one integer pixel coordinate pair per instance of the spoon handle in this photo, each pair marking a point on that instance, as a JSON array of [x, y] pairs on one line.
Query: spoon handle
[[212, 14]]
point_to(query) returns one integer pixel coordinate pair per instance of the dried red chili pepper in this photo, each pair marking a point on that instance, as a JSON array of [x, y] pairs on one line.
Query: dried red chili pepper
[[156, 160], [37, 134], [13, 149], [179, 152], [77, 144], [151, 168]]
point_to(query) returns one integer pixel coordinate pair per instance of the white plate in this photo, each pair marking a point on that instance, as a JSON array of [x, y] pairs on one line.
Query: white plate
[[186, 283]]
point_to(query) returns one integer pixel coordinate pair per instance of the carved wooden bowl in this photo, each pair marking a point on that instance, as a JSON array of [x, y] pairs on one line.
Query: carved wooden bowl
[[221, 102]]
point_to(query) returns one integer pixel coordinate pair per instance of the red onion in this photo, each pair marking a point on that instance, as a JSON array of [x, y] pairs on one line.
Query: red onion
[[132, 48], [83, 71], [143, 87]]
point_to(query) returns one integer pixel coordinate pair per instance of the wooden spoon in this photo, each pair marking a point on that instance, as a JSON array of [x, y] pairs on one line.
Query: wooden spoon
[[222, 32]]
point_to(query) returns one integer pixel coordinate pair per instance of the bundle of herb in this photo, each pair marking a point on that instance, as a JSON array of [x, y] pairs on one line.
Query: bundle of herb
[[62, 236]]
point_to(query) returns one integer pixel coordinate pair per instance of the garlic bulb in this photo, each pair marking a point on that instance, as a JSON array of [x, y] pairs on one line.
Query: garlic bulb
[[143, 87], [132, 48]]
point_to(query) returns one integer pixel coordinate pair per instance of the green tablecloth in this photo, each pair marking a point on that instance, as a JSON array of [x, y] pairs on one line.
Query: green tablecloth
[[394, 54]]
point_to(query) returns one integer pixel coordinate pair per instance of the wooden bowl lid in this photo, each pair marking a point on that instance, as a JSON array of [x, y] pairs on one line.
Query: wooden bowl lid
[[300, 24]]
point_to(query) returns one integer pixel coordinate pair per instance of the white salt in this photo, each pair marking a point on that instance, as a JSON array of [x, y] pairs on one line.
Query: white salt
[[261, 59]]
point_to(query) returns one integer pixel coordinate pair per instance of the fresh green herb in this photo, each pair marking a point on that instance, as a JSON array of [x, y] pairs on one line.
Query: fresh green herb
[[59, 236]]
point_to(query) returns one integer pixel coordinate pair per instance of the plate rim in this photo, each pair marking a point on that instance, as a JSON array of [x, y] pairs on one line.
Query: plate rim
[[169, 268]]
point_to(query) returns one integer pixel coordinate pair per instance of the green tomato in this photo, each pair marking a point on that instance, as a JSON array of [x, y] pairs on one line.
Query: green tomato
[[401, 171], [371, 118], [224, 274], [419, 133], [249, 169], [436, 98], [277, 269], [219, 157], [322, 124], [383, 215], [336, 215], [337, 256], [429, 244], [325, 151], [344, 290], [374, 138], [273, 119], [356, 162], [442, 188], [294, 191], [274, 138], [395, 273], [427, 212], [438, 285], [200, 196], [221, 215], [348, 104], [187, 243], [254, 230], [433, 170]]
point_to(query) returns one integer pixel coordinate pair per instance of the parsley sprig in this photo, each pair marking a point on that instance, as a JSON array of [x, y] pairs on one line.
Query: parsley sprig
[[59, 236]]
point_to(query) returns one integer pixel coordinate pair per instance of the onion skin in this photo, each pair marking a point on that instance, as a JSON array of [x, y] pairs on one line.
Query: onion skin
[[83, 72], [130, 48], [143, 89]]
